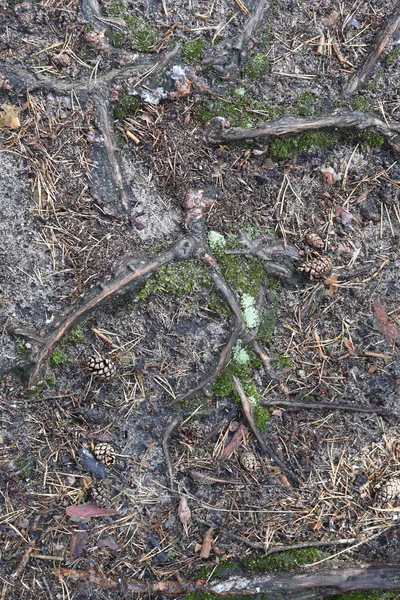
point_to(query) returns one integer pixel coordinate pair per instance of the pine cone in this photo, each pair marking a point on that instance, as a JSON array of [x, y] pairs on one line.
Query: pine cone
[[102, 367], [248, 461], [100, 493], [318, 267], [389, 492], [105, 453], [313, 240]]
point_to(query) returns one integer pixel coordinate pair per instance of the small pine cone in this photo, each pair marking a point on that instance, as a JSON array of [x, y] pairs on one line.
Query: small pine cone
[[105, 453], [318, 267], [191, 433], [102, 367], [313, 240], [100, 493], [248, 461], [389, 492]]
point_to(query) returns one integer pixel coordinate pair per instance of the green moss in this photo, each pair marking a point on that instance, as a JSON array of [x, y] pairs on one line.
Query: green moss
[[392, 57], [290, 559], [51, 380], [282, 361], [143, 35], [225, 386], [138, 34], [226, 569], [126, 105], [269, 318], [58, 358], [177, 279], [192, 51], [76, 336], [245, 275], [239, 110], [305, 104], [372, 86], [372, 138], [24, 467], [291, 146], [360, 103], [261, 417], [257, 66], [20, 347], [203, 572]]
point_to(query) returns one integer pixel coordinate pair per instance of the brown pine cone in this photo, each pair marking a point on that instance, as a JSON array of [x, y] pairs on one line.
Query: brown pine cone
[[100, 493], [105, 453], [248, 461], [389, 492], [102, 367], [318, 267], [313, 240]]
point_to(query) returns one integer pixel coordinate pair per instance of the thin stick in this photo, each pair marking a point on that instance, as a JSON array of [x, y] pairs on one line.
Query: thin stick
[[358, 80], [265, 447], [326, 406]]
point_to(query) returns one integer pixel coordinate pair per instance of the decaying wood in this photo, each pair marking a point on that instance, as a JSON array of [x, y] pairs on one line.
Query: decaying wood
[[302, 585], [265, 447], [218, 129], [359, 79], [288, 404]]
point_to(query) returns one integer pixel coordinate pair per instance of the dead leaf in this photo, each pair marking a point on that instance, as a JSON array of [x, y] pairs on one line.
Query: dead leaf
[[9, 116], [384, 326], [81, 512], [235, 441], [349, 345], [184, 514], [108, 543], [344, 215], [330, 175], [331, 19], [207, 543], [277, 412], [77, 546]]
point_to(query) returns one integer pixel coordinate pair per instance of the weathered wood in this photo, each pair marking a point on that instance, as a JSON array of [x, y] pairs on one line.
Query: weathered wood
[[277, 586], [359, 79], [218, 129]]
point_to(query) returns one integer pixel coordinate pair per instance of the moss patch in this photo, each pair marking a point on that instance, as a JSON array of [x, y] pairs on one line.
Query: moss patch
[[126, 105], [290, 559], [177, 279], [76, 336], [291, 146], [372, 138], [193, 51], [360, 103], [58, 358], [138, 34], [257, 66]]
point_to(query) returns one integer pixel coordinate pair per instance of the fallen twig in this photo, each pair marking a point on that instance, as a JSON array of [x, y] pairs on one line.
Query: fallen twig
[[218, 129], [265, 447], [358, 80], [326, 406], [298, 585]]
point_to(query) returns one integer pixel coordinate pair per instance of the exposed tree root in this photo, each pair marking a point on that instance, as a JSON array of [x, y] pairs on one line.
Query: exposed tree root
[[264, 446], [359, 79], [218, 129], [302, 585]]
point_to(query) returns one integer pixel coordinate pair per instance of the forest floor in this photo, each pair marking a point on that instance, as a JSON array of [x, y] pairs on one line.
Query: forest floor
[[98, 154]]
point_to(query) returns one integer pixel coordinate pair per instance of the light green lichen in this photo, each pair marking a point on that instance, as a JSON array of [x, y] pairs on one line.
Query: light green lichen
[[250, 312], [216, 240], [240, 355]]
